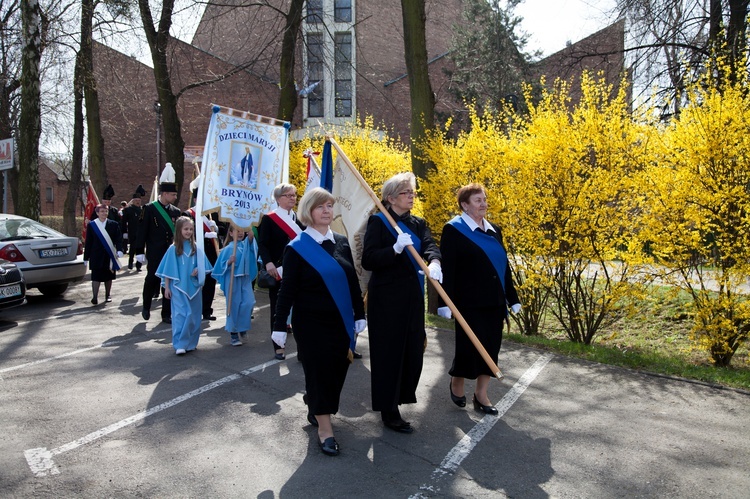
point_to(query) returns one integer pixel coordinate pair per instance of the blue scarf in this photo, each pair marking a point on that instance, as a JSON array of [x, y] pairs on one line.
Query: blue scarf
[[417, 243], [491, 246], [333, 276]]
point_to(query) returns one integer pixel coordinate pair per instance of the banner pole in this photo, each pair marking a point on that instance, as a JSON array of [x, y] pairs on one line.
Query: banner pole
[[460, 318]]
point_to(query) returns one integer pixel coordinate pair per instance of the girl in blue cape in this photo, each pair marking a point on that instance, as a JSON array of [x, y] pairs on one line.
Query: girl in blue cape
[[179, 276], [245, 259]]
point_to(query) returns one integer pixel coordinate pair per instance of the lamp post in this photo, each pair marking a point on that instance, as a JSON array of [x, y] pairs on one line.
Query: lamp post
[[157, 109]]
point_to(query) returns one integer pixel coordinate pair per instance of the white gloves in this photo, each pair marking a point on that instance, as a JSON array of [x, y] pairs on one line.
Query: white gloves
[[140, 259], [402, 242], [279, 337], [360, 326], [214, 227], [515, 308], [445, 312], [210, 235], [119, 254], [436, 272], [125, 236]]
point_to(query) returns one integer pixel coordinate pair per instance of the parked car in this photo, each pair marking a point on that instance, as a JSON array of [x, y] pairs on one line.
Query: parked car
[[12, 285], [49, 260]]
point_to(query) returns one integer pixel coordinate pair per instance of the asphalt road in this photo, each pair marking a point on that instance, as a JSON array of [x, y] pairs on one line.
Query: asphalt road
[[94, 403]]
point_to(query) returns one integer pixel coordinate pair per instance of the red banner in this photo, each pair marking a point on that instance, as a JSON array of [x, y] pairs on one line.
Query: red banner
[[91, 201]]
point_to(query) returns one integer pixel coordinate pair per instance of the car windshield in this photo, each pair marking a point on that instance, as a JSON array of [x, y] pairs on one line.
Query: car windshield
[[14, 229]]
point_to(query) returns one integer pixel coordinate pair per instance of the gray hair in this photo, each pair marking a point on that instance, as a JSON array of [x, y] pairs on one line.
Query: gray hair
[[311, 200], [282, 189], [396, 184]]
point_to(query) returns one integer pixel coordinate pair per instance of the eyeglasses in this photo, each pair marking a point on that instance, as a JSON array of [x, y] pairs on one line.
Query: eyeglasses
[[410, 194], [290, 195]]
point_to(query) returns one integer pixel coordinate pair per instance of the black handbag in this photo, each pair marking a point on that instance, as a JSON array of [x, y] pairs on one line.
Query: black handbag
[[266, 280]]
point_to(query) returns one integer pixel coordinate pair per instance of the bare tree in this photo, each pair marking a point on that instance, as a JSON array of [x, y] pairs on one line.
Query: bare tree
[[420, 91]]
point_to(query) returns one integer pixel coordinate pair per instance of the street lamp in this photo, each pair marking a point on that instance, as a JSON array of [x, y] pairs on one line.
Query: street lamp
[[157, 109]]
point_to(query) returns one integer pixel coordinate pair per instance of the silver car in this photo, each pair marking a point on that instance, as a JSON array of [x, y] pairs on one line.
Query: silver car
[[48, 259]]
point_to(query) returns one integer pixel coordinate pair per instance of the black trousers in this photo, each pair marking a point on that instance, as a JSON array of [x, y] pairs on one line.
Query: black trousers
[[151, 286], [207, 295]]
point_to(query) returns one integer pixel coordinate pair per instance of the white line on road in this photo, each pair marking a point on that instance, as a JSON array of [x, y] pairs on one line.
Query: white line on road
[[463, 448], [40, 459]]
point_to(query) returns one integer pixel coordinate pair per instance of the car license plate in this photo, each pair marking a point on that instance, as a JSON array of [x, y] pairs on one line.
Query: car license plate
[[8, 291], [50, 253]]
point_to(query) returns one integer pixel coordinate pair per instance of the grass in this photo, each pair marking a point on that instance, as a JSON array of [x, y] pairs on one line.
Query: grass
[[656, 341]]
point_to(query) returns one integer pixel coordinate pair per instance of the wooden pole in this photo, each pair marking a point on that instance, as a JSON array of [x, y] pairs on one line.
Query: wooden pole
[[231, 274], [460, 318]]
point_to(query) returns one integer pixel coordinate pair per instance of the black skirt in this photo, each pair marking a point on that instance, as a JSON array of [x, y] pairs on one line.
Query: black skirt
[[487, 325]]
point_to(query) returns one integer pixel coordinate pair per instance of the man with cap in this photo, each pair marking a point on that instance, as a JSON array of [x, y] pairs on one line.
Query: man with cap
[[131, 214], [155, 234], [107, 196]]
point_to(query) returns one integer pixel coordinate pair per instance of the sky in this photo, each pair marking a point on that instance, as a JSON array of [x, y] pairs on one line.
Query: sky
[[553, 23]]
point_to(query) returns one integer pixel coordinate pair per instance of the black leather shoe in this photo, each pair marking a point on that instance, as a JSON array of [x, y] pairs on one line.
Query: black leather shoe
[[279, 356], [393, 421], [487, 409], [94, 301], [146, 314], [329, 446], [168, 320], [356, 355], [312, 419], [459, 401], [209, 318], [108, 299]]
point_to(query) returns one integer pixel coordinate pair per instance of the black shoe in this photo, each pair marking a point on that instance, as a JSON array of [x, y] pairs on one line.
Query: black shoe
[[312, 419], [279, 356], [329, 446], [94, 301], [487, 409], [146, 314], [392, 419], [459, 401], [168, 320], [130, 267], [108, 299], [209, 318], [356, 355]]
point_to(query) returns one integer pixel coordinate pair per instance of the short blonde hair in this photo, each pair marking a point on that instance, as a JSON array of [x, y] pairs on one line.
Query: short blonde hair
[[311, 200], [281, 189], [396, 184]]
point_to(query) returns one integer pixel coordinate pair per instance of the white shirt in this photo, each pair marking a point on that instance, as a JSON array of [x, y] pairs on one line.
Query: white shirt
[[318, 237], [289, 218], [473, 225]]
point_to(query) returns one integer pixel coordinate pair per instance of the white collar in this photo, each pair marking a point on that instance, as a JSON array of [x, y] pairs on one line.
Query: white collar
[[318, 237], [288, 214], [473, 225]]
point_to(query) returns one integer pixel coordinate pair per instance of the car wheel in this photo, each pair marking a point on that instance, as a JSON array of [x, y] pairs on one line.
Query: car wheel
[[53, 289]]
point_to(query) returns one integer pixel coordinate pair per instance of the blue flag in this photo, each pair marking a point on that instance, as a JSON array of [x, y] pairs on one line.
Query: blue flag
[[326, 168]]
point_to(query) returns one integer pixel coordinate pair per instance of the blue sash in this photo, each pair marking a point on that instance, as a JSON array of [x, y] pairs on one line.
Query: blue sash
[[114, 264], [333, 276], [491, 246], [417, 246]]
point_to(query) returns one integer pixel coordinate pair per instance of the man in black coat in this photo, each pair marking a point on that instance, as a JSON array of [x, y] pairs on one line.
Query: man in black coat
[[131, 214], [155, 235]]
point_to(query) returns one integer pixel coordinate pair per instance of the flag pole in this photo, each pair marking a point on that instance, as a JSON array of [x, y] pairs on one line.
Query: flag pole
[[460, 318], [231, 272]]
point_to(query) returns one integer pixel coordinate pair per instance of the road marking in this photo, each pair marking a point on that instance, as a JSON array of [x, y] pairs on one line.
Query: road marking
[[463, 448], [82, 350], [40, 459]]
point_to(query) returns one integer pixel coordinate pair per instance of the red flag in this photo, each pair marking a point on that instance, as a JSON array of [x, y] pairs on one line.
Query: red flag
[[91, 201]]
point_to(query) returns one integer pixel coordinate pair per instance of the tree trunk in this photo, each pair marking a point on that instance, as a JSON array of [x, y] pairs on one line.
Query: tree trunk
[[74, 188], [158, 41], [288, 96], [97, 167], [737, 36], [30, 123], [420, 90]]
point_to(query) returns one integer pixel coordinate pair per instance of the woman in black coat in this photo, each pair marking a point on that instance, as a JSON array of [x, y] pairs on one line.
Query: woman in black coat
[[320, 282], [275, 231], [102, 249], [477, 277], [395, 300]]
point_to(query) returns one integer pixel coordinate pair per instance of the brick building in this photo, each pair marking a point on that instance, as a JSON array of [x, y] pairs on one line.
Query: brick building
[[349, 58]]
